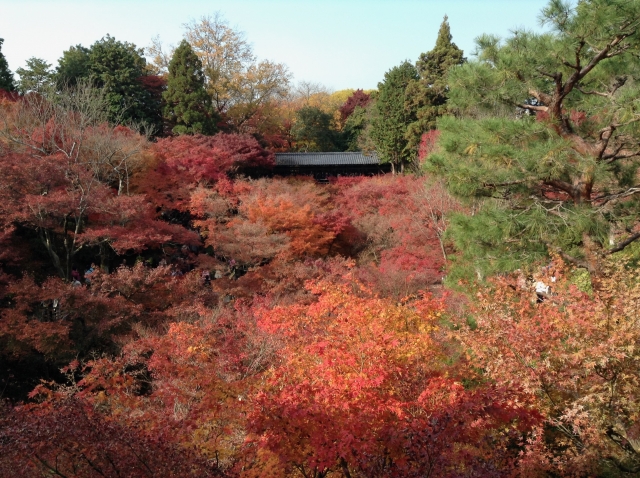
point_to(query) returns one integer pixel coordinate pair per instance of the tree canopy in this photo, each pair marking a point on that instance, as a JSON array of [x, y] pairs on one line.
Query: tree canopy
[[546, 139], [238, 83], [428, 95], [313, 130], [390, 124], [188, 106], [73, 65], [6, 77], [117, 67], [35, 77]]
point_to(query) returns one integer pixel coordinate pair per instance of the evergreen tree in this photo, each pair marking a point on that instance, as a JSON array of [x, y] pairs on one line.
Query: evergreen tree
[[6, 77], [546, 139], [74, 65], [35, 77], [354, 128], [428, 95], [389, 124], [119, 68], [313, 131], [188, 106]]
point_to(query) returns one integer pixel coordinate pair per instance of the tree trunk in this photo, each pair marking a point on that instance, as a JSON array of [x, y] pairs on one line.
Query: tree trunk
[[104, 257], [45, 238]]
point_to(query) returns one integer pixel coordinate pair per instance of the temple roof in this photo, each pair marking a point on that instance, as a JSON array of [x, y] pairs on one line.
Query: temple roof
[[328, 159]]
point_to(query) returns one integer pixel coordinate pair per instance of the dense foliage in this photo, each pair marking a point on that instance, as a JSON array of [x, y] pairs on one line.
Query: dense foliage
[[546, 138], [188, 107], [118, 68], [389, 126], [6, 78], [36, 77], [170, 308], [428, 95]]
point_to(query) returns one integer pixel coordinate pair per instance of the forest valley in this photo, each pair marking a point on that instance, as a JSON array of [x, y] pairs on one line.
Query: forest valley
[[170, 309]]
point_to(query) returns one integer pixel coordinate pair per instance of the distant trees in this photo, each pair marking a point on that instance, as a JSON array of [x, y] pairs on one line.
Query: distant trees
[[188, 106], [73, 65], [238, 83], [356, 114], [245, 93], [313, 130], [6, 77], [389, 126], [357, 99], [118, 68], [37, 76], [393, 119]]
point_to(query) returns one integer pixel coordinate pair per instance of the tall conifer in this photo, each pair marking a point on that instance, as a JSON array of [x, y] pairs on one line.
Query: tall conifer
[[389, 126], [428, 95], [188, 106], [6, 77]]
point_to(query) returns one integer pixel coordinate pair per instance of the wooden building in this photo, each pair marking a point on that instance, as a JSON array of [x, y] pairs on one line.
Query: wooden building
[[323, 165]]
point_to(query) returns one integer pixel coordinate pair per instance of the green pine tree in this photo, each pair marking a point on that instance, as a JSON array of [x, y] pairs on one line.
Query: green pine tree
[[389, 124], [35, 77], [6, 77], [546, 140], [188, 105], [428, 95]]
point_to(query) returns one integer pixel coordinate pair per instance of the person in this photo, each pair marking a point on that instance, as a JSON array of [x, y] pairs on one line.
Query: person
[[542, 291], [88, 272], [75, 275], [206, 277]]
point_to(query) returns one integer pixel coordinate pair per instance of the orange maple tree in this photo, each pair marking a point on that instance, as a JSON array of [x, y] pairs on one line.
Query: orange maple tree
[[576, 355], [360, 388]]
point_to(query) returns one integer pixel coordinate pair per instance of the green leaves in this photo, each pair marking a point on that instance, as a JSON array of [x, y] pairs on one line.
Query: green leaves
[[547, 127], [428, 95], [35, 77], [389, 126], [188, 106], [6, 77], [313, 130], [118, 68]]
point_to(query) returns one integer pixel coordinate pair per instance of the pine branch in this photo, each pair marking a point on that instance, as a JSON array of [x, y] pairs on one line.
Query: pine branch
[[621, 245], [612, 197], [571, 259]]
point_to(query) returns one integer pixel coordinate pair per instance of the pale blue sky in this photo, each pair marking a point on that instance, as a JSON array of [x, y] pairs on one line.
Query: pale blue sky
[[339, 43]]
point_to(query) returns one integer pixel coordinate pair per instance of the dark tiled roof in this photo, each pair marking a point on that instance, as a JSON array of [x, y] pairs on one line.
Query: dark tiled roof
[[329, 159]]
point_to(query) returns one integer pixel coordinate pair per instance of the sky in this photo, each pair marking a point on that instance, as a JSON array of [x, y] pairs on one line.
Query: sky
[[337, 43]]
